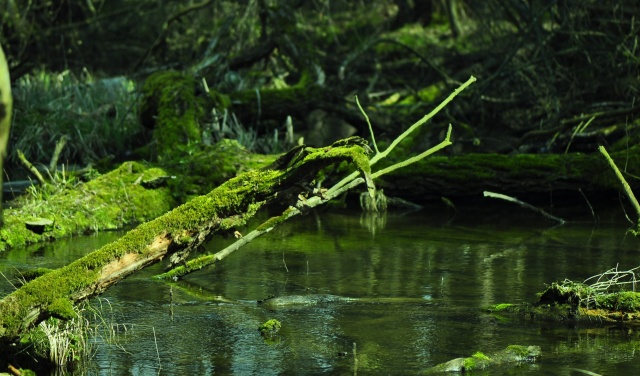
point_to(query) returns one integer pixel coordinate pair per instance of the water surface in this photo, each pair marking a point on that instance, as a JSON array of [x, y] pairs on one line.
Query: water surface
[[444, 266]]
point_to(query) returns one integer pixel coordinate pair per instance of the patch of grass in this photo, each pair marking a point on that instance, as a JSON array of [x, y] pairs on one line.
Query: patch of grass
[[97, 116]]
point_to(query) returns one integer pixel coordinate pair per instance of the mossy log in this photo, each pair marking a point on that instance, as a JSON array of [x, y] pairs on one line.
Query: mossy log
[[130, 194], [182, 229], [576, 303], [470, 175], [253, 106], [107, 202]]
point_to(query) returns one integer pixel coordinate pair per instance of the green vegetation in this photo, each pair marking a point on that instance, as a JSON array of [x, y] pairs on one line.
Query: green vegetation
[[513, 355], [270, 328], [603, 300], [97, 116], [110, 201]]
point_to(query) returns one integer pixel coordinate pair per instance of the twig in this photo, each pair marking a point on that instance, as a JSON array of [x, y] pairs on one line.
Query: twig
[[373, 137], [593, 213], [579, 129], [155, 340], [415, 126], [625, 185], [523, 204], [56, 154], [285, 263], [416, 158], [31, 167]]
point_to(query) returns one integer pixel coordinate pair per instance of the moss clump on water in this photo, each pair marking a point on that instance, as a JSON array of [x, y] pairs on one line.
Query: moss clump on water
[[476, 361], [270, 328]]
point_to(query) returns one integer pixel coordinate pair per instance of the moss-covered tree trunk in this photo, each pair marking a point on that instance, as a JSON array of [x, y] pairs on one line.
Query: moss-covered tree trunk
[[182, 229], [523, 174]]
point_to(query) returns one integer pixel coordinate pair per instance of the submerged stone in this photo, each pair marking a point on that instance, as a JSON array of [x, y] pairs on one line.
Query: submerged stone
[[513, 355]]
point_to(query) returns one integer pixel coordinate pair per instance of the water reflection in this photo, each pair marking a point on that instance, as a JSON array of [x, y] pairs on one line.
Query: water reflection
[[446, 273]]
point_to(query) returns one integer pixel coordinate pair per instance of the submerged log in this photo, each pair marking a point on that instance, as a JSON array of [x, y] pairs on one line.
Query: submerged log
[[314, 300], [513, 355], [183, 229]]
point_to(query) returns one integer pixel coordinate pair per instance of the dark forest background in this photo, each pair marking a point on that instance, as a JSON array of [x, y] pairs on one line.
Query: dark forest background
[[553, 76]]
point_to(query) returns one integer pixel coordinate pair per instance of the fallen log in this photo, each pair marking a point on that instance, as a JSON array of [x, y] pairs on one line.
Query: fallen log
[[517, 175], [182, 229], [185, 228]]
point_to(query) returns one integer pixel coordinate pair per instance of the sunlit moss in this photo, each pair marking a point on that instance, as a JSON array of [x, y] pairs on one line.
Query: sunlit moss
[[108, 202], [170, 107]]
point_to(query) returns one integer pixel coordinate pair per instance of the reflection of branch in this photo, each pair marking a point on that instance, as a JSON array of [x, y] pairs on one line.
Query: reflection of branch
[[523, 204], [303, 205]]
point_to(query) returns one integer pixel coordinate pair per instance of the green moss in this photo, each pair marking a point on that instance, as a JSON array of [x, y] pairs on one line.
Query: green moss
[[270, 328], [501, 307], [476, 361], [520, 351], [61, 308], [480, 356], [624, 301], [469, 364], [31, 274], [171, 108]]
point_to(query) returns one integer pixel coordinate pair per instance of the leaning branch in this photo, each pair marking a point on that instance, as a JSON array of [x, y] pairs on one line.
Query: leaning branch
[[411, 129], [302, 206], [623, 181]]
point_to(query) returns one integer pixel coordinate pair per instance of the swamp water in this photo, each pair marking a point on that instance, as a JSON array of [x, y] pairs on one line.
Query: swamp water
[[440, 267]]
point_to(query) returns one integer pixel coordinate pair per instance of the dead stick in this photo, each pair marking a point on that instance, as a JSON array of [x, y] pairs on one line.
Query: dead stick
[[56, 154], [31, 167]]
